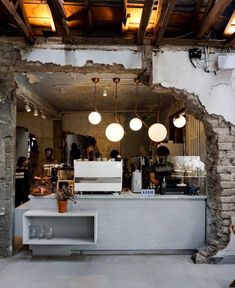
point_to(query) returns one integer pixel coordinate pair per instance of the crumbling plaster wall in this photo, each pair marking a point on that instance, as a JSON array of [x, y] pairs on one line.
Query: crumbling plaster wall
[[210, 98]]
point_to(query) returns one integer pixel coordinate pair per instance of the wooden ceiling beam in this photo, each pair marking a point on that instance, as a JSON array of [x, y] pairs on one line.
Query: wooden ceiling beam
[[196, 13], [193, 42], [14, 17], [59, 16], [89, 17], [21, 4], [208, 8], [146, 14], [163, 21], [212, 17], [230, 42]]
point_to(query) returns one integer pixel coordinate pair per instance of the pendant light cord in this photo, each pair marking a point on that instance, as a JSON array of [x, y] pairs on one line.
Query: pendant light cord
[[137, 81], [95, 81], [157, 108], [116, 81], [95, 97]]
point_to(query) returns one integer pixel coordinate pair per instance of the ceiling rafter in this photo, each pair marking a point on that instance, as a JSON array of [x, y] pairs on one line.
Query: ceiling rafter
[[59, 16], [230, 42], [196, 13], [212, 17], [167, 10], [21, 4], [15, 19], [89, 18], [125, 17], [208, 8], [146, 14]]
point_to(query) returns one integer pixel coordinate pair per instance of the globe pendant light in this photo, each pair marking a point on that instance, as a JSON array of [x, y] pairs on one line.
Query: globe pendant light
[[179, 121], [114, 131], [94, 117], [135, 123], [157, 132]]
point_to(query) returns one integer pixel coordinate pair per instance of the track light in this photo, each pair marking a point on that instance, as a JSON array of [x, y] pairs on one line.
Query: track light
[[35, 112], [43, 116], [27, 108], [105, 92]]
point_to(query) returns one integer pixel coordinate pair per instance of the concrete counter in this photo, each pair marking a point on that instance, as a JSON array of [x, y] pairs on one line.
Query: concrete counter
[[139, 224]]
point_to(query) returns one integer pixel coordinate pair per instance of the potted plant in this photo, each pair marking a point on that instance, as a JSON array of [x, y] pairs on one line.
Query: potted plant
[[64, 194]]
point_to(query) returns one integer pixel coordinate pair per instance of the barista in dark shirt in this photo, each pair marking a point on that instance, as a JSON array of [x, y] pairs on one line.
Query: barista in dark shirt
[[23, 179], [161, 168]]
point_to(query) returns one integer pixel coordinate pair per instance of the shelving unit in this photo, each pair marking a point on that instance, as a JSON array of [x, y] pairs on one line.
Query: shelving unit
[[71, 228]]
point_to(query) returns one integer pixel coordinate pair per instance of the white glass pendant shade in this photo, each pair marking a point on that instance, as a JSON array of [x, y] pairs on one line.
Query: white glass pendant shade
[[135, 124], [179, 121], [94, 117], [157, 132], [114, 132]]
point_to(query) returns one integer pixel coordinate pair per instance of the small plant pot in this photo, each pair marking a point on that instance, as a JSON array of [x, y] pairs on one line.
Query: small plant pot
[[62, 206]]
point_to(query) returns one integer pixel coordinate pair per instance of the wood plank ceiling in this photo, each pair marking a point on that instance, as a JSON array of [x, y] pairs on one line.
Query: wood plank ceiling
[[179, 22]]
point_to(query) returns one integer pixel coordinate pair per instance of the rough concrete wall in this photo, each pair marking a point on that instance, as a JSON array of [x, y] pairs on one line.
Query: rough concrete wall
[[7, 154], [220, 166]]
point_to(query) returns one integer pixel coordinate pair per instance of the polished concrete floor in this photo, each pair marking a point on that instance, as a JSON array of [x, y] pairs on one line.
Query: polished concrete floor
[[112, 271]]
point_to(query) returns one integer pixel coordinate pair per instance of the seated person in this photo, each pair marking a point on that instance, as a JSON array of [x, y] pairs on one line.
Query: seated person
[[161, 168]]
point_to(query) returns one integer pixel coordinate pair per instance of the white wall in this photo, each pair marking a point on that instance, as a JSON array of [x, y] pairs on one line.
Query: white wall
[[172, 68], [128, 57]]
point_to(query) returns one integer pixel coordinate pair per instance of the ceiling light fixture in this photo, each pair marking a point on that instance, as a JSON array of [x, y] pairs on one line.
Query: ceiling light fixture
[[114, 131], [35, 112], [105, 92], [94, 117], [157, 132], [135, 123], [43, 116], [27, 107], [179, 121]]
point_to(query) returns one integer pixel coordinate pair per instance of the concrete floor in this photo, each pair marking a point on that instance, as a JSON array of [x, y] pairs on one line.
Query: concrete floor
[[112, 271]]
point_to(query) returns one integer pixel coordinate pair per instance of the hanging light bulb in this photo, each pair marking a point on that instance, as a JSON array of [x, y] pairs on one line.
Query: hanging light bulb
[[135, 123], [114, 131], [179, 121], [94, 117], [27, 107], [157, 132]]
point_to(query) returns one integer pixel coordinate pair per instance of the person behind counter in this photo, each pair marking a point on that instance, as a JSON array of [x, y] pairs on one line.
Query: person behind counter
[[113, 154], [161, 168], [23, 180], [48, 162], [75, 153]]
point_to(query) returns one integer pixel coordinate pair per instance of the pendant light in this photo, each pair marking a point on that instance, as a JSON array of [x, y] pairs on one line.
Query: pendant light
[[179, 120], [114, 131], [95, 117], [135, 123], [157, 132]]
